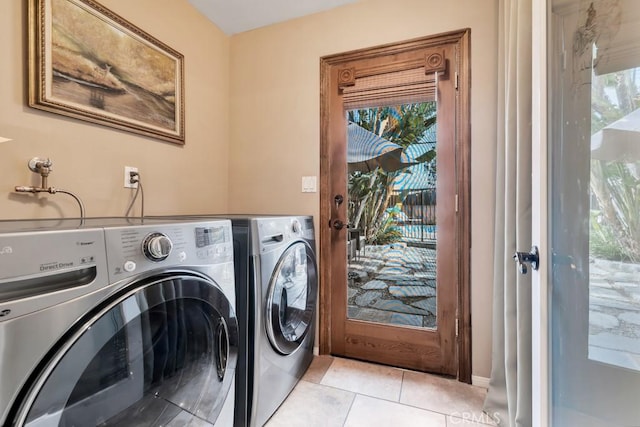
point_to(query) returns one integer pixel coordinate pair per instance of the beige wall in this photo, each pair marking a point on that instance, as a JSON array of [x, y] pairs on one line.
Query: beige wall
[[89, 159], [252, 124], [275, 114]]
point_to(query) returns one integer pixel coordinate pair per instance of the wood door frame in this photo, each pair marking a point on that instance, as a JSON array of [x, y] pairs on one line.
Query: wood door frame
[[329, 64]]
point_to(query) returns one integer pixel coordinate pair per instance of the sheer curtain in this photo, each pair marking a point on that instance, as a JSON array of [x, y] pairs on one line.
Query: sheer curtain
[[509, 397]]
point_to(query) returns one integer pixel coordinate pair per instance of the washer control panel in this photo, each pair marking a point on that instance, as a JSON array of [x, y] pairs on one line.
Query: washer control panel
[[136, 249]]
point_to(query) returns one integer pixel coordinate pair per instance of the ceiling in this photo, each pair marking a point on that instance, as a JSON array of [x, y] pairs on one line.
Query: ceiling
[[236, 16]]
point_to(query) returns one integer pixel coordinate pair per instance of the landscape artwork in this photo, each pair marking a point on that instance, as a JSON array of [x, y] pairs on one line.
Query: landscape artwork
[[89, 63]]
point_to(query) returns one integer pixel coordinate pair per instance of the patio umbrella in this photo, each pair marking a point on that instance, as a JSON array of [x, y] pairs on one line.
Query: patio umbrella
[[620, 141], [416, 177], [367, 151]]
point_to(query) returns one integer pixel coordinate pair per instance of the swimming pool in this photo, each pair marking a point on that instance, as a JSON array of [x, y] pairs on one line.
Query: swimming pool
[[419, 232]]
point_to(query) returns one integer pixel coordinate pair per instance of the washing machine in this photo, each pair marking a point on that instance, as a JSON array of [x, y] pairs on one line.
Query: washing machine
[[276, 258], [117, 322]]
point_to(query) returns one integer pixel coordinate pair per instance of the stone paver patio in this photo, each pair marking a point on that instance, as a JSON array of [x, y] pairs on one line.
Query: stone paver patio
[[614, 313], [395, 284]]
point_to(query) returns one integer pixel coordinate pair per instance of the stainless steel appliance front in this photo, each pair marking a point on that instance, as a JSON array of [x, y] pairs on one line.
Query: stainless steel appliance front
[[117, 324]]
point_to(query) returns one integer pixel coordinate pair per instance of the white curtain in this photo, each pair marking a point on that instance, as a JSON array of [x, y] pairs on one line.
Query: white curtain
[[509, 397]]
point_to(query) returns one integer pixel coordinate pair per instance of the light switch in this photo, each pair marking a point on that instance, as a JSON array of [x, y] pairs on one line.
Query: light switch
[[309, 184]]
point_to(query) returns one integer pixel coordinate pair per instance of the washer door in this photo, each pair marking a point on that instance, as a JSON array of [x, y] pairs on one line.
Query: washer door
[[160, 354], [291, 298]]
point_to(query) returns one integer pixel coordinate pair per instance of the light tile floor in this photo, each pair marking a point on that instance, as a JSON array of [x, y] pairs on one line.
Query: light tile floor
[[348, 393]]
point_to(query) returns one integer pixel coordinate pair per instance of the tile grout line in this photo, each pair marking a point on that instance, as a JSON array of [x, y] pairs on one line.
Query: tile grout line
[[356, 394], [403, 371], [333, 359], [447, 415], [401, 387], [350, 408]]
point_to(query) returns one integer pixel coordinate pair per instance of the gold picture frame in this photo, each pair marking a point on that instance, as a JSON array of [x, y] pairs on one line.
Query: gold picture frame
[[89, 63]]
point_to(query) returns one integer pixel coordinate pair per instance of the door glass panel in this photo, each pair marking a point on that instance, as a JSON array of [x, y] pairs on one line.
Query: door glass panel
[[291, 299], [614, 238], [391, 212], [595, 212], [164, 355]]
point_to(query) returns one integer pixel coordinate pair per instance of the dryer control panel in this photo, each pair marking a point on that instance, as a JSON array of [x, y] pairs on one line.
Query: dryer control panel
[[135, 250], [271, 232]]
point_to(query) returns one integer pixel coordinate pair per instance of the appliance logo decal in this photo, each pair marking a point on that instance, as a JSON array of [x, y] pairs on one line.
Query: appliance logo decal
[[55, 266], [6, 250]]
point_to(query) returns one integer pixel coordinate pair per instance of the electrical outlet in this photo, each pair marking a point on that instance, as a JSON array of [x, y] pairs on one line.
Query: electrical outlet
[[127, 177]]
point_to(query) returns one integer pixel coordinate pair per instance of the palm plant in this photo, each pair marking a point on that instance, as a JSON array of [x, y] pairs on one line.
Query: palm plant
[[615, 227], [615, 220], [370, 192]]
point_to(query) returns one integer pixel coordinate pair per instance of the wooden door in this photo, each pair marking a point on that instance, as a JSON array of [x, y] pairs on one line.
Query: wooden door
[[436, 70]]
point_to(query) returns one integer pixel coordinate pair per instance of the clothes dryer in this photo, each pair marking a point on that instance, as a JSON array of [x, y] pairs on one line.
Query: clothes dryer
[[117, 322], [275, 256]]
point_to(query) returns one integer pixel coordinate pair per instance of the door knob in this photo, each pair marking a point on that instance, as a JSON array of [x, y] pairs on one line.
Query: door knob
[[523, 258], [338, 225]]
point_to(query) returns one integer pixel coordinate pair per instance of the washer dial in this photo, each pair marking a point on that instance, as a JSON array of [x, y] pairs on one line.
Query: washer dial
[[157, 246]]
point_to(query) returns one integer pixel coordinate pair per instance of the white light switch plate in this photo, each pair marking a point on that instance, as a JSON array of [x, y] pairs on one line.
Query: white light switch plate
[[309, 184]]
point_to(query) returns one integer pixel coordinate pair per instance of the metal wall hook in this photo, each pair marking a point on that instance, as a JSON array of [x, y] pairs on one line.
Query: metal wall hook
[[523, 258]]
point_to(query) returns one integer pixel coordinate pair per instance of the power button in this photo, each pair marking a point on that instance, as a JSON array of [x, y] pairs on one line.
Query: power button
[[129, 266]]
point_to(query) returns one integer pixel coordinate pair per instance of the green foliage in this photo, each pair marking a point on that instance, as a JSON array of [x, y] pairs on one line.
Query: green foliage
[[615, 220], [388, 232], [615, 230], [603, 111], [370, 192], [403, 124], [603, 242]]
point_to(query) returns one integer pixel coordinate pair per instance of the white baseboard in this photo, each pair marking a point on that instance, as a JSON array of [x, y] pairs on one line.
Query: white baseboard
[[480, 381], [316, 351]]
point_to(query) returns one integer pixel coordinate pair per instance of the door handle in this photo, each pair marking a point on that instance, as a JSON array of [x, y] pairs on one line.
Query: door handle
[[337, 224], [523, 258]]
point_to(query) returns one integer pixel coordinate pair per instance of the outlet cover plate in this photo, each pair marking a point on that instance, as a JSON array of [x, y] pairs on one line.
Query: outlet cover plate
[[127, 177]]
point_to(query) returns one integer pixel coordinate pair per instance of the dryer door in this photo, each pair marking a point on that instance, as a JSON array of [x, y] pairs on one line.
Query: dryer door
[[291, 298], [163, 353]]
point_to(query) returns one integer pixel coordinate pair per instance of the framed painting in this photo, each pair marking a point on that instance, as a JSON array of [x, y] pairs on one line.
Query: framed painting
[[87, 62]]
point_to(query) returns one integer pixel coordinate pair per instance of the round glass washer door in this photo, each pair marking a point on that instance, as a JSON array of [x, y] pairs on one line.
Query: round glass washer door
[[162, 354], [291, 298]]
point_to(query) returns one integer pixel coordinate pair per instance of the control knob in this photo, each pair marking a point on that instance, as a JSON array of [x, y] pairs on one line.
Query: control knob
[[157, 246]]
